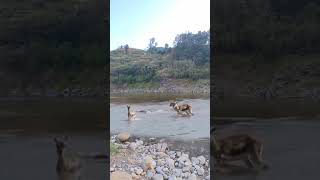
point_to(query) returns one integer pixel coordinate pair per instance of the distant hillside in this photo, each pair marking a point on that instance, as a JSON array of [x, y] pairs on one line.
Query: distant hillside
[[139, 69], [49, 46]]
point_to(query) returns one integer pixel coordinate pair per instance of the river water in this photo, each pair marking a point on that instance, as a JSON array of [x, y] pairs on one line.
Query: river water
[[28, 126], [289, 130], [158, 119]]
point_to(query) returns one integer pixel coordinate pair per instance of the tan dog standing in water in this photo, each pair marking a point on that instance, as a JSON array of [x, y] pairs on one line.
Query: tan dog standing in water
[[131, 114], [182, 108], [238, 147]]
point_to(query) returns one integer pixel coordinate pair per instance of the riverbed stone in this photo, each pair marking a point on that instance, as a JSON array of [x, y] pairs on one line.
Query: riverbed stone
[[157, 177], [172, 177], [192, 177], [159, 170], [202, 160], [200, 171], [194, 160], [133, 146], [123, 137], [170, 163], [120, 175], [149, 163], [138, 171], [178, 154]]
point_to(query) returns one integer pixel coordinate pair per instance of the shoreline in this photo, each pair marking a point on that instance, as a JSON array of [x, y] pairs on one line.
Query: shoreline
[[169, 159]]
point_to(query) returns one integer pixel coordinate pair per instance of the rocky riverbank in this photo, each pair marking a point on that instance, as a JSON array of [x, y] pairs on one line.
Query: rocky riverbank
[[167, 86], [155, 159]]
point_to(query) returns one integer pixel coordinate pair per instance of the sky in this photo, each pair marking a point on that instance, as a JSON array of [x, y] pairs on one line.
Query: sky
[[135, 22]]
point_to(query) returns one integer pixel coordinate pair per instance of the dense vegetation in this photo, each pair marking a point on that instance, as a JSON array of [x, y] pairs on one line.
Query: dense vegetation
[[266, 28], [189, 58], [43, 41]]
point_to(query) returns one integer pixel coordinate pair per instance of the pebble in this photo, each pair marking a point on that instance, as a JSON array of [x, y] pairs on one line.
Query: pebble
[[200, 171], [172, 177], [138, 171], [178, 153], [159, 170], [157, 177], [192, 177], [133, 146], [202, 160], [149, 174], [170, 163], [194, 160]]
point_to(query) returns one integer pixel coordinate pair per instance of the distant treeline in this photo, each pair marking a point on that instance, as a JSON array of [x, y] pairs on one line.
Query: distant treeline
[[58, 36], [269, 28], [186, 46]]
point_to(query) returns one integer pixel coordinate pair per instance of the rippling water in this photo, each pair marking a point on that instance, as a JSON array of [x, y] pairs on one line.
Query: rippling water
[[158, 119]]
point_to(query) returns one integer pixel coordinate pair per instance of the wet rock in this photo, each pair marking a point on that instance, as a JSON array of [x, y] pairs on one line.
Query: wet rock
[[123, 136]]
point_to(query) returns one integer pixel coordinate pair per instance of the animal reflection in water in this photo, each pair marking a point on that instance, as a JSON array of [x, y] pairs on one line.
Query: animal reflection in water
[[237, 148], [68, 165], [180, 108]]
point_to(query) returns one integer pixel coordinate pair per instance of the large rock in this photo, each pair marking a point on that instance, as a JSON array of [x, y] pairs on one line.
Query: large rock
[[123, 137], [119, 175]]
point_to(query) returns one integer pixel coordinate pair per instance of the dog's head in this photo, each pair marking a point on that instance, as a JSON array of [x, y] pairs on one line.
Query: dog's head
[[173, 104], [60, 144], [128, 106], [212, 130]]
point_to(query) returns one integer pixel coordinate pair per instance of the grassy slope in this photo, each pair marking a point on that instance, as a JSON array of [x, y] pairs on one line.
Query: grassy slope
[[33, 47], [293, 73], [168, 72]]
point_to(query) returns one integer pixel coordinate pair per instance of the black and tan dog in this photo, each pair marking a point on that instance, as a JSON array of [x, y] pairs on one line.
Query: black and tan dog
[[182, 108], [238, 147]]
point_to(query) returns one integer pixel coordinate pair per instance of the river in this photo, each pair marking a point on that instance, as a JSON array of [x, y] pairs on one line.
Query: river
[[28, 126], [154, 117]]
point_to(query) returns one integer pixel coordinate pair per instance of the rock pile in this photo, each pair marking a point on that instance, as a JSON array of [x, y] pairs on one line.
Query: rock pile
[[156, 162]]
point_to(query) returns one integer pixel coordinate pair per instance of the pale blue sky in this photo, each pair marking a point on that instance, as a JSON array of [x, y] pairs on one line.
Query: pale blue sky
[[134, 22]]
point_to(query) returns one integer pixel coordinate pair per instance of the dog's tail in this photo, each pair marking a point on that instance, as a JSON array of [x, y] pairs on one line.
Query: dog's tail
[[190, 108]]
